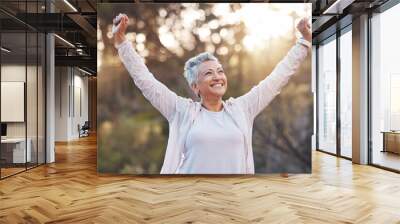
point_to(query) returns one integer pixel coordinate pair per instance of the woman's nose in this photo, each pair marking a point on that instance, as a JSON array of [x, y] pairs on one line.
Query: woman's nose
[[217, 75]]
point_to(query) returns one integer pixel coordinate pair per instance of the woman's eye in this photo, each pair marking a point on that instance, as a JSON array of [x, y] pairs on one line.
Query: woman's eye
[[221, 71], [208, 73]]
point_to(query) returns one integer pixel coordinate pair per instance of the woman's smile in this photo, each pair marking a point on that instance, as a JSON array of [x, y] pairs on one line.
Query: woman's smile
[[217, 85], [212, 81]]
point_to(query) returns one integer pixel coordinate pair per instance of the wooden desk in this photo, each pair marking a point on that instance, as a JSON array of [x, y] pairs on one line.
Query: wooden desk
[[391, 141], [16, 147]]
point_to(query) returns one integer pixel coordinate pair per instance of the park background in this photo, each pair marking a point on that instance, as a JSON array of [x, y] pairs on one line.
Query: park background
[[249, 39]]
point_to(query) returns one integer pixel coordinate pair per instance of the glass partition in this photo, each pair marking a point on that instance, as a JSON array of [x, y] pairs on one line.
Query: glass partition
[[22, 88], [41, 87], [14, 152], [31, 100]]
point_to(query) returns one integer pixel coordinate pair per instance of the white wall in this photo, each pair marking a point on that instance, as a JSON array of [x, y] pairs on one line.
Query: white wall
[[33, 127], [16, 73], [70, 84], [12, 73], [61, 103], [80, 115]]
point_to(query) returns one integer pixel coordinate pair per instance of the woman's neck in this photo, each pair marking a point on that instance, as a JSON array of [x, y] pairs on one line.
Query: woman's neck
[[212, 104]]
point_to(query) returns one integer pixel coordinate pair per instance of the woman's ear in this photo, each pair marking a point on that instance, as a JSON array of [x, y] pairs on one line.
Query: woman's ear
[[195, 89]]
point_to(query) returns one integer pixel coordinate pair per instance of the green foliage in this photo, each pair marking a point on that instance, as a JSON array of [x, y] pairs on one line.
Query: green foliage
[[131, 144]]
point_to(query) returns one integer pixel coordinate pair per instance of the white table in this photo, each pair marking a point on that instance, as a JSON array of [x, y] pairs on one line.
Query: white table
[[19, 155]]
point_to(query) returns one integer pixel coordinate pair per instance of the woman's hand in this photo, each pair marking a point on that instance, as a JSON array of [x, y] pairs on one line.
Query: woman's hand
[[119, 36], [305, 29]]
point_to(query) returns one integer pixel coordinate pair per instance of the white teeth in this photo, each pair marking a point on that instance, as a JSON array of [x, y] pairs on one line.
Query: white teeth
[[217, 85]]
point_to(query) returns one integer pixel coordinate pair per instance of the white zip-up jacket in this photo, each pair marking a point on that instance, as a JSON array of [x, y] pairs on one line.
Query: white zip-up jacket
[[181, 112]]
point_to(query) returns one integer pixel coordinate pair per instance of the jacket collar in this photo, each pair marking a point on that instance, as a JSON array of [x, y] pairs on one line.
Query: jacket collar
[[225, 105]]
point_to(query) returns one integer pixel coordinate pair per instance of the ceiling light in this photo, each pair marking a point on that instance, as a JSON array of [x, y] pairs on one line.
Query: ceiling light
[[5, 50], [84, 71], [338, 6], [70, 5], [64, 40]]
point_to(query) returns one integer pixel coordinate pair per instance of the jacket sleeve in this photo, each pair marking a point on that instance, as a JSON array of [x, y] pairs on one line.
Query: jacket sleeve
[[264, 92], [162, 98]]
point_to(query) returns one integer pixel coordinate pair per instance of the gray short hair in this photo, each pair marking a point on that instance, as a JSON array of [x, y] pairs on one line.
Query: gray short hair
[[192, 66]]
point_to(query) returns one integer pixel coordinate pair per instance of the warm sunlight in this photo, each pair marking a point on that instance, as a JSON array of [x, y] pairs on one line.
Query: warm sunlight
[[221, 28], [266, 21], [262, 23]]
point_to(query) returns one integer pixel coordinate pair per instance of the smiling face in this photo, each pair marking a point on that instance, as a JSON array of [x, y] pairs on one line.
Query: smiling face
[[211, 82]]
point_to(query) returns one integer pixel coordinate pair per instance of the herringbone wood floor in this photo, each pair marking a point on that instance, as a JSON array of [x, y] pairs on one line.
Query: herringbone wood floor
[[70, 191]]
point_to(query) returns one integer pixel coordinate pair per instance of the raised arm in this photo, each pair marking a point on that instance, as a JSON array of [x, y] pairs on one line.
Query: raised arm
[[163, 99], [262, 94]]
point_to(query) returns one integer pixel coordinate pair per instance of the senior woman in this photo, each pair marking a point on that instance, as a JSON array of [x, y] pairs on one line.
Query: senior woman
[[211, 136]]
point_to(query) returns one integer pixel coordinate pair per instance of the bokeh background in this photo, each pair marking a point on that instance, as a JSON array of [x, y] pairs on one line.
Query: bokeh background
[[249, 39]]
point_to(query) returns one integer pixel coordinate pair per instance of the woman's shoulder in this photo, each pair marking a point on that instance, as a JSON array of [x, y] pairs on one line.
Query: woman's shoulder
[[233, 104], [231, 101], [184, 104]]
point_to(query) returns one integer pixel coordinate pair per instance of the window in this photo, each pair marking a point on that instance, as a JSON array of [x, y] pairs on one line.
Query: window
[[385, 89], [346, 93], [327, 96]]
